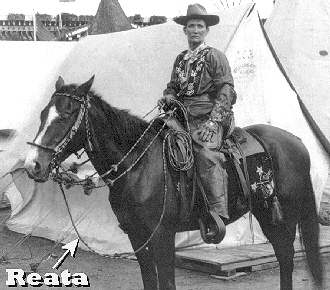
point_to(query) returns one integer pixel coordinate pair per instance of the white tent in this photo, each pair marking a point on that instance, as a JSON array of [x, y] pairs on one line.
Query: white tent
[[299, 33], [131, 69]]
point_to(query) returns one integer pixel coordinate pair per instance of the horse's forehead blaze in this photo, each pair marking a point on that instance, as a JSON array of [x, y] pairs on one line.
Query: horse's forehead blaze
[[50, 118], [33, 152]]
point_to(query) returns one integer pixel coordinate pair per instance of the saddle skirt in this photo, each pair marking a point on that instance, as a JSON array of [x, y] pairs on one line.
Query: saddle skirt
[[248, 144], [250, 173]]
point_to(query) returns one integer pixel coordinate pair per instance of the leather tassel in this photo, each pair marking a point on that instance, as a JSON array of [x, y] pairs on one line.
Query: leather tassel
[[277, 214]]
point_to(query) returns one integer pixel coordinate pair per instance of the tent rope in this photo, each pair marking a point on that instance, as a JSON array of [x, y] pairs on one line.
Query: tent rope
[[4, 258], [49, 254], [6, 187]]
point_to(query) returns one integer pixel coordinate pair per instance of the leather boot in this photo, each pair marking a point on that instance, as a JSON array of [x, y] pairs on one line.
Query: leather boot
[[214, 180], [217, 194]]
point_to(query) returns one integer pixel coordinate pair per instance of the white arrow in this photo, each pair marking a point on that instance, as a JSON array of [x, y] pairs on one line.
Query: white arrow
[[70, 248]]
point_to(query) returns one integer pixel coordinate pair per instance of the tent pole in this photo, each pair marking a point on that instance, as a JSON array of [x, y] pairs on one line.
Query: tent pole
[[34, 26], [60, 20]]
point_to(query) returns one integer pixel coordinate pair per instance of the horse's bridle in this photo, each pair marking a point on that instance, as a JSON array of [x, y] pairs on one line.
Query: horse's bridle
[[84, 106], [86, 183]]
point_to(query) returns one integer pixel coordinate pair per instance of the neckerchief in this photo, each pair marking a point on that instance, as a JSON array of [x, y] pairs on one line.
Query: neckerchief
[[190, 69], [193, 54]]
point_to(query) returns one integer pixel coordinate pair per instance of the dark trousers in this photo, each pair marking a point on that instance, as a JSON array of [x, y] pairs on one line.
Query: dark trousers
[[209, 165]]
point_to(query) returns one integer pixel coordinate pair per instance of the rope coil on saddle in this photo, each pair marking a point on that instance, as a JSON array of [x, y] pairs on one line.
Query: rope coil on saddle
[[182, 141], [179, 142]]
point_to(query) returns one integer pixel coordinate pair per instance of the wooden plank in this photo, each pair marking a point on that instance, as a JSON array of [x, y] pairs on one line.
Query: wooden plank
[[225, 278], [205, 268], [228, 262], [259, 267], [248, 263], [222, 262], [325, 250], [231, 258]]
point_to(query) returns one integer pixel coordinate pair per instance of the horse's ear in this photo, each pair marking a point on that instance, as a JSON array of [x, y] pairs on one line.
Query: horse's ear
[[83, 89], [59, 84]]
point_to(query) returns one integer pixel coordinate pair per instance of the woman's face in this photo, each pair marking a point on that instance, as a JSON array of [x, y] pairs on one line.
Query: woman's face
[[196, 31]]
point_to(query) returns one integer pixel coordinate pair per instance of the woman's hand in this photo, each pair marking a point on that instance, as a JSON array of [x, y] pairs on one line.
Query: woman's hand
[[208, 129], [165, 101]]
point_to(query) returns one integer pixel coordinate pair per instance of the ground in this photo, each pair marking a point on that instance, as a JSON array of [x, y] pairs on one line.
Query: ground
[[114, 274]]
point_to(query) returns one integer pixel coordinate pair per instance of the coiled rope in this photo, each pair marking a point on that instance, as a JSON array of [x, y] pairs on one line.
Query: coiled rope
[[180, 140]]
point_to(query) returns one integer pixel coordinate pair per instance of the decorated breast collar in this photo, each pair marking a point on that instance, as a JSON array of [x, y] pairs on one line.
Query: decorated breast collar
[[190, 69]]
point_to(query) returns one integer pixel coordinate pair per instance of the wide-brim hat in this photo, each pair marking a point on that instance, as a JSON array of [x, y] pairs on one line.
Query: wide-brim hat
[[197, 11]]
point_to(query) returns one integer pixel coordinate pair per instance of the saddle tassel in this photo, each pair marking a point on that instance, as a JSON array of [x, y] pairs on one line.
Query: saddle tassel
[[277, 214]]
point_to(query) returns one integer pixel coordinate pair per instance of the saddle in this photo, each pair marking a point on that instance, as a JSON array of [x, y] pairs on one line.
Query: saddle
[[250, 176]]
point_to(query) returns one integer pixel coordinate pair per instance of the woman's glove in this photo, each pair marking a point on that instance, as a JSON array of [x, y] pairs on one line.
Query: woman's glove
[[208, 129]]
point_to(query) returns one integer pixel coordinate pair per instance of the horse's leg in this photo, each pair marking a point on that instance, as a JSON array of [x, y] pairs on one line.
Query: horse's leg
[[146, 262], [282, 238], [282, 242], [163, 246]]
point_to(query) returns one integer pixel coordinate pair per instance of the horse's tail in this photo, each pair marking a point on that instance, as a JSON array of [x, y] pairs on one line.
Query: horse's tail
[[309, 229]]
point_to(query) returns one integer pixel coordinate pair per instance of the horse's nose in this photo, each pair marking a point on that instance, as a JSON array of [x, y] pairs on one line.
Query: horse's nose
[[33, 167], [37, 167]]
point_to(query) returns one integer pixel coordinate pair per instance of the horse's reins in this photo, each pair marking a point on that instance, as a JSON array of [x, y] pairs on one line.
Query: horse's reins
[[85, 105]]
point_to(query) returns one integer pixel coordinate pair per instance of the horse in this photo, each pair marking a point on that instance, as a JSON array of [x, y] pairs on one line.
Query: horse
[[128, 154]]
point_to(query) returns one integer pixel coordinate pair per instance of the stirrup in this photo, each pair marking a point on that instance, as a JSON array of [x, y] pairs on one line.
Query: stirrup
[[213, 219]]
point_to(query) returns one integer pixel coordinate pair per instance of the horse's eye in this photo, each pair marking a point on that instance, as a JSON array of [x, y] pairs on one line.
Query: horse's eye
[[65, 115]]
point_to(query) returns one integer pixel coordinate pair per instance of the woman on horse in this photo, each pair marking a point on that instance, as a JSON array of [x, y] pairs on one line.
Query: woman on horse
[[202, 81]]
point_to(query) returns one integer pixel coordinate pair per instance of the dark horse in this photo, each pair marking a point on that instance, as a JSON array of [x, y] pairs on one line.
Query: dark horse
[[144, 198]]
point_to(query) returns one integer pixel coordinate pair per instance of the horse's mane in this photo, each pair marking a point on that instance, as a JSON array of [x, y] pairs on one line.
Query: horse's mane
[[125, 127]]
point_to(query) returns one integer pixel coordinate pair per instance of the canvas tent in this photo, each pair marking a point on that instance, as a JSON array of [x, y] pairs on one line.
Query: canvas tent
[[299, 32], [130, 74], [109, 18]]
